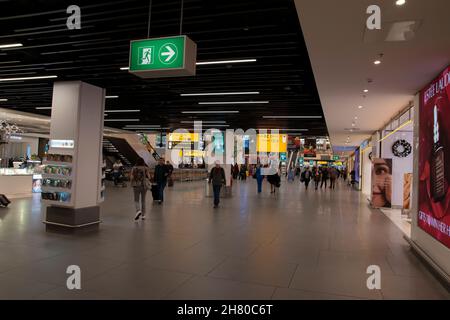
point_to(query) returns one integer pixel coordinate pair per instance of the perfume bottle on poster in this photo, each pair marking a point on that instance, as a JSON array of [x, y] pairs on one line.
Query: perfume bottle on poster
[[437, 163]]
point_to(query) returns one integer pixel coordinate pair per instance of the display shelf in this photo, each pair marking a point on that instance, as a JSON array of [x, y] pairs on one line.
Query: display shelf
[[57, 163], [56, 176], [56, 189]]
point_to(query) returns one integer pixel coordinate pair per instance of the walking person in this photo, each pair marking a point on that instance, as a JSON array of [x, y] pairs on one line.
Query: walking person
[[324, 177], [259, 177], [170, 169], [243, 172], [306, 177], [140, 181], [274, 181], [117, 171], [317, 176], [333, 177], [291, 174], [235, 171], [217, 178], [160, 177]]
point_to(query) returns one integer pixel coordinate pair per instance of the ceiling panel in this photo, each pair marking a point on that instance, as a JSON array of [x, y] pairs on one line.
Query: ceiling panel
[[266, 30]]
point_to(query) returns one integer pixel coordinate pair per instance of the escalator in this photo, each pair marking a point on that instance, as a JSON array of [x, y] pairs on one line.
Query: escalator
[[119, 149], [148, 145]]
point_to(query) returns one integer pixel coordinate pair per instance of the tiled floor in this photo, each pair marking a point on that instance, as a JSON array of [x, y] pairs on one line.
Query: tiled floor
[[292, 245]]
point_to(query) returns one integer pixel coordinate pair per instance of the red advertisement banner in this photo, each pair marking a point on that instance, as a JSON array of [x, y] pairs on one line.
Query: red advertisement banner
[[434, 157]]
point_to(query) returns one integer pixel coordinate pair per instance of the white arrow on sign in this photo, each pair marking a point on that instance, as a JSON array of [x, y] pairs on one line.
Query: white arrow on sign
[[170, 53]]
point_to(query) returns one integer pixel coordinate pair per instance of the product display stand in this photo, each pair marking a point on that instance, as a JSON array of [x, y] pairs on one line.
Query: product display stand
[[73, 179]]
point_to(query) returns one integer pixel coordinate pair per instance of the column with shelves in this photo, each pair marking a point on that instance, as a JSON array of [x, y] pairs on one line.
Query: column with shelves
[[73, 175]]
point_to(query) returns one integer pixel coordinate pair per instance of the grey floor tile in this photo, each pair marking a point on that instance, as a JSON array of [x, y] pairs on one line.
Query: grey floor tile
[[137, 281], [14, 255], [193, 261], [347, 282], [256, 270], [199, 288], [417, 288], [53, 270], [318, 244], [292, 294], [14, 288]]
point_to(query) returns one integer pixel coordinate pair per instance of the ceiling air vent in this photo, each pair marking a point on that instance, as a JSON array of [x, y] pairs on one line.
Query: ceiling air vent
[[402, 30]]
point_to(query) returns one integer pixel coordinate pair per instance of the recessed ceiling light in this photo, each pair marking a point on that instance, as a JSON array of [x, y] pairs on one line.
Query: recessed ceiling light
[[225, 61], [376, 62], [111, 97], [3, 100], [292, 117], [366, 90], [202, 121], [125, 68], [205, 112], [360, 107], [11, 45], [234, 102], [356, 118], [124, 110], [27, 78], [122, 120], [217, 125], [400, 2], [217, 93], [142, 125]]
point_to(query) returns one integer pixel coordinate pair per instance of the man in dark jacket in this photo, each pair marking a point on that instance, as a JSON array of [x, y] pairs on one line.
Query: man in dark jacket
[[217, 178], [160, 177]]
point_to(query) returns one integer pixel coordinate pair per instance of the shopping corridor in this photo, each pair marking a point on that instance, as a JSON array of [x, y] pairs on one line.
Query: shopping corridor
[[296, 244]]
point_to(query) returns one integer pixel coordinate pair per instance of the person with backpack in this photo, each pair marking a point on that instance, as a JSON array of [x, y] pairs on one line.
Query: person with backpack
[[306, 177], [317, 176], [140, 181], [333, 177], [217, 178], [160, 176], [324, 177]]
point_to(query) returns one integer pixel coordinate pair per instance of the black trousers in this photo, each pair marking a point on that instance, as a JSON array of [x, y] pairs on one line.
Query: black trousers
[[324, 181], [216, 191]]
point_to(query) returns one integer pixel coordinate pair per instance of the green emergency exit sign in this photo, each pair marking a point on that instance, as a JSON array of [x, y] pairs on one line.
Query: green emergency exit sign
[[163, 57], [336, 158]]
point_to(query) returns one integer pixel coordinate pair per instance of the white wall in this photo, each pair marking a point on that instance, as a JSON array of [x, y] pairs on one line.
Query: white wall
[[400, 166], [366, 169]]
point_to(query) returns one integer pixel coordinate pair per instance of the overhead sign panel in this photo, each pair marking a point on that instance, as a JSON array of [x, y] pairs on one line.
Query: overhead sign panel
[[163, 57]]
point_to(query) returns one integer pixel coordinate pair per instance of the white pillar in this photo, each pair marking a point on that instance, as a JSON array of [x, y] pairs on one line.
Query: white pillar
[[76, 134]]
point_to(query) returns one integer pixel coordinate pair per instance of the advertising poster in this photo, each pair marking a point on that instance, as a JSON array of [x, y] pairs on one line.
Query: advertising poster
[[407, 184], [434, 153], [381, 183], [309, 149], [357, 164]]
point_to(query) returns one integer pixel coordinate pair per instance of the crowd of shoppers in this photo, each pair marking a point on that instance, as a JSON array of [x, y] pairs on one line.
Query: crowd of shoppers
[[142, 179]]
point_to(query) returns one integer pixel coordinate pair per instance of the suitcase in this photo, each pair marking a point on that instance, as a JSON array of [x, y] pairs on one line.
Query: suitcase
[[4, 201], [155, 192]]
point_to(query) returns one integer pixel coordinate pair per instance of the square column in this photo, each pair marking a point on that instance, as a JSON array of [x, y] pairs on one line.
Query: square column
[[73, 181]]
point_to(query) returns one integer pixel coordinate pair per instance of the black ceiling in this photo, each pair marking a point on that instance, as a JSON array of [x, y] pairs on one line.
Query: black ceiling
[[267, 30]]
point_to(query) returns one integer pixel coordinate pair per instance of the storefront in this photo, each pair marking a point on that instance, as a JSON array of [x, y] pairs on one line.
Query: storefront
[[392, 169]]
